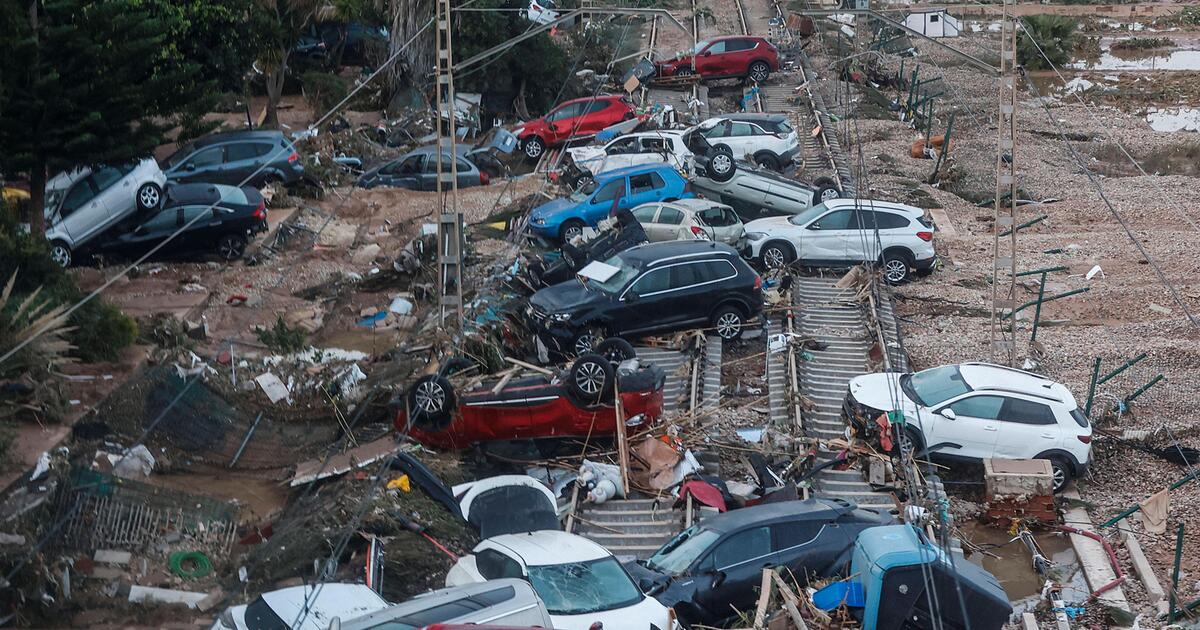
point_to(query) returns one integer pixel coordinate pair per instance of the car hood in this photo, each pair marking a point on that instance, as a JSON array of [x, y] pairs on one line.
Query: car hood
[[877, 391], [564, 296], [551, 208], [636, 617], [587, 154], [769, 224]]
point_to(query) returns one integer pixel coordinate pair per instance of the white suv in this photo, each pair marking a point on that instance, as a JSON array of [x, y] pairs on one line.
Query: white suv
[[648, 147], [841, 232], [767, 139], [976, 411]]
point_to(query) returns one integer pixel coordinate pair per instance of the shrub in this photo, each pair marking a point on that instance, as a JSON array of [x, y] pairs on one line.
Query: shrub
[[1055, 35], [1141, 43], [323, 90], [282, 339]]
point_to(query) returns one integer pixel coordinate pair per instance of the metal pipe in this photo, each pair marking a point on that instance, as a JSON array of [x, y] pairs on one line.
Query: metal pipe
[[1034, 272], [1124, 366], [1112, 559], [1175, 574], [1137, 506], [1029, 223], [1087, 410], [1141, 390], [1049, 299], [1037, 313], [246, 440]]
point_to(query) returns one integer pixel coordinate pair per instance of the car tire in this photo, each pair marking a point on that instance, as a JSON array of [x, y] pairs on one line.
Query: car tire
[[915, 441], [231, 247], [584, 180], [616, 349], [533, 147], [825, 193], [569, 229], [149, 196], [768, 160], [430, 401], [776, 255], [684, 71], [590, 379], [1062, 472], [60, 253], [897, 265], [586, 342], [721, 165], [728, 322], [759, 71]]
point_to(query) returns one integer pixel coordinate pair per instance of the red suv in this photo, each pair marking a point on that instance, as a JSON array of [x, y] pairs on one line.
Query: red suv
[[579, 118], [722, 57]]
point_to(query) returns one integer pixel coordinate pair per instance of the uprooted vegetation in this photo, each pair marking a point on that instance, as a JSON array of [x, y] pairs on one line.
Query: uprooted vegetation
[[1141, 43]]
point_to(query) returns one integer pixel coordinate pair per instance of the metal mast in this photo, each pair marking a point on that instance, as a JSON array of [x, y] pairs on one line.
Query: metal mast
[[450, 220], [1004, 250]]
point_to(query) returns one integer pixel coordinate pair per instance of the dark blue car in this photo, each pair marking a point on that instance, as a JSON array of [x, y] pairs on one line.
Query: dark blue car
[[563, 219]]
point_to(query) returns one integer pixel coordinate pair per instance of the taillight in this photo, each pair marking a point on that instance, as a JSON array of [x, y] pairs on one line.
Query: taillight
[[1086, 439], [483, 178], [757, 282], [261, 211], [294, 157], [697, 230], [925, 236]]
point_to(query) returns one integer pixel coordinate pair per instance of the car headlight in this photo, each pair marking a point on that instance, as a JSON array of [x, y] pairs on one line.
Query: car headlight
[[756, 236], [560, 317], [539, 221], [518, 130]]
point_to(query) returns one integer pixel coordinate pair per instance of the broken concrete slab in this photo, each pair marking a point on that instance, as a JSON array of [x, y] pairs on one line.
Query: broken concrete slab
[[138, 594], [1144, 570], [314, 469], [112, 556]]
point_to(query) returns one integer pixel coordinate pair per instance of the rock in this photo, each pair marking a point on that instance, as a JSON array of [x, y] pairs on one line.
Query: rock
[[365, 255]]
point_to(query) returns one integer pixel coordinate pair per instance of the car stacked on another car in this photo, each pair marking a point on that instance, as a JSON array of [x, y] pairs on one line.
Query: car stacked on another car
[[736, 56], [507, 601], [754, 191], [236, 158], [572, 120], [655, 288], [649, 147], [845, 232], [564, 219], [686, 219], [975, 411], [767, 139]]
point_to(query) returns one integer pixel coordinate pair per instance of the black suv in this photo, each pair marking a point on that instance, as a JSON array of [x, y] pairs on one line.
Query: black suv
[[232, 157], [649, 289]]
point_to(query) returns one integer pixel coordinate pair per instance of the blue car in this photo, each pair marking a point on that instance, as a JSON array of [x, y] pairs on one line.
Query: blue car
[[563, 219]]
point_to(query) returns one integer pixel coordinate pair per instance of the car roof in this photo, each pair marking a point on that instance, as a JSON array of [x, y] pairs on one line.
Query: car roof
[[695, 204], [598, 97], [724, 37], [425, 601], [874, 204], [638, 169], [990, 377], [754, 117], [460, 148], [657, 133], [229, 136], [548, 547], [820, 509], [649, 254]]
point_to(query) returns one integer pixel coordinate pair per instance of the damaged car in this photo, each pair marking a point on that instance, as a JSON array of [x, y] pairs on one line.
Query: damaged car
[[754, 191], [582, 164], [651, 289], [564, 219], [712, 568], [572, 402], [614, 235], [510, 602], [736, 56], [572, 120], [317, 604], [417, 170], [972, 412], [699, 219]]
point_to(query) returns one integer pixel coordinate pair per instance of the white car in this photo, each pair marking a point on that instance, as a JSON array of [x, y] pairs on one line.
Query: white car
[[81, 204], [842, 232], [687, 219], [767, 139], [541, 11], [649, 147], [580, 582], [976, 411], [281, 608], [505, 602]]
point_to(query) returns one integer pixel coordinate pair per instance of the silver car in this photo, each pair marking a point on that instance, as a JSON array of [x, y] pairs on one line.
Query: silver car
[[686, 219], [755, 191], [502, 602], [83, 203]]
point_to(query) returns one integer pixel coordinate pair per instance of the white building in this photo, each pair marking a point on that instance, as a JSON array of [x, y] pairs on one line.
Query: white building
[[933, 23]]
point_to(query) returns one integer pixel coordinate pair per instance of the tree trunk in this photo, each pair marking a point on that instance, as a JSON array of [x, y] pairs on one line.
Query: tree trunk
[[37, 198], [275, 79], [408, 16]]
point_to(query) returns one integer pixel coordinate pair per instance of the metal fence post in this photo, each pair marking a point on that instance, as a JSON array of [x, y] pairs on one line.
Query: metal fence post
[[1087, 410], [1175, 574], [1037, 312]]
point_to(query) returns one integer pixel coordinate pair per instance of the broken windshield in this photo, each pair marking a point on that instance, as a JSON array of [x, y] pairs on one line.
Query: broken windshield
[[625, 273], [934, 386], [578, 588], [677, 555]]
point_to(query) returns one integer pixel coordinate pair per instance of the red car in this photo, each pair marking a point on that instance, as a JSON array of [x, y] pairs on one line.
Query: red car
[[723, 57], [579, 118], [571, 403]]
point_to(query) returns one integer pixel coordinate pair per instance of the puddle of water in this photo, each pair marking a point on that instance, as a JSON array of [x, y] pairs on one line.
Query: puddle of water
[[259, 497], [1174, 119], [1148, 59], [1014, 566]]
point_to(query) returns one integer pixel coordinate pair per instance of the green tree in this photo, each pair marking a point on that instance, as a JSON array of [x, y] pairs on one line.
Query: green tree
[[1054, 34]]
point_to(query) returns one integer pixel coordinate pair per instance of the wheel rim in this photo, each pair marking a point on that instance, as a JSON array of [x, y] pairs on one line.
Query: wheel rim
[[773, 257], [758, 72], [895, 270], [533, 149], [230, 248], [590, 378], [721, 163], [585, 343], [684, 72], [571, 232], [831, 193], [729, 325], [60, 255], [149, 196], [1060, 477], [430, 397]]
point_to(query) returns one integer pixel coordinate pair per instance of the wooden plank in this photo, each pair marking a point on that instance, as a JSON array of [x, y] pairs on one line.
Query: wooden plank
[[529, 366], [339, 464], [764, 599]]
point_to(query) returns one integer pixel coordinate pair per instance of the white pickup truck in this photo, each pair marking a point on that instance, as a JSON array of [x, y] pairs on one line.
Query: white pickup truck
[[647, 147]]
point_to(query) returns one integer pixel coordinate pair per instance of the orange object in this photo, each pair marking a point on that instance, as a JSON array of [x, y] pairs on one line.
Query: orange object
[[885, 432], [918, 148]]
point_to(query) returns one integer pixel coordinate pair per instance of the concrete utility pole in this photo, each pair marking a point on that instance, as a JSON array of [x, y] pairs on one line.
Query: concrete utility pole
[[450, 219], [1004, 227]]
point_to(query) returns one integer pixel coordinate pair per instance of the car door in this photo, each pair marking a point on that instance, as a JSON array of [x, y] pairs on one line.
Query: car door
[[1026, 429], [152, 231], [824, 240], [734, 570], [81, 213], [204, 227], [404, 173], [743, 139], [972, 431], [808, 547], [596, 116], [711, 61], [563, 122], [620, 153], [646, 306], [645, 188], [203, 165], [241, 159], [692, 291], [115, 192], [787, 198], [737, 55], [607, 198], [646, 214], [670, 224]]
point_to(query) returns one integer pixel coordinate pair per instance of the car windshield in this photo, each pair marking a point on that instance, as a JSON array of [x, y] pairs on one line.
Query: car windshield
[[783, 127], [679, 554], [625, 273], [934, 386], [577, 588], [583, 192], [808, 216], [179, 156]]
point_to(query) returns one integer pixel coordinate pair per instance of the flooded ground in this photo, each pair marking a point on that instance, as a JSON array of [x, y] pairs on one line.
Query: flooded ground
[[258, 497], [1174, 119], [1012, 564]]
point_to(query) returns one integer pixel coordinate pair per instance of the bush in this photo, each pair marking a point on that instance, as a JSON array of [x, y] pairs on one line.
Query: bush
[[323, 90], [1055, 35], [1141, 43], [283, 339]]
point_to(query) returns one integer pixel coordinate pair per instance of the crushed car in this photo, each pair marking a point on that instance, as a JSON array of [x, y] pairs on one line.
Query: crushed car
[[582, 164], [714, 567], [565, 218], [318, 604], [754, 191], [613, 236]]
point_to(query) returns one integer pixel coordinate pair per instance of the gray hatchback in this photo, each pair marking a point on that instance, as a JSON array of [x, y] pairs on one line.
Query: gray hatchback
[[417, 170], [236, 158]]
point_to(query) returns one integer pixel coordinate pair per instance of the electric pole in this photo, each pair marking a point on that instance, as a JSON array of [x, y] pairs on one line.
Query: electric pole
[[1004, 249], [450, 221]]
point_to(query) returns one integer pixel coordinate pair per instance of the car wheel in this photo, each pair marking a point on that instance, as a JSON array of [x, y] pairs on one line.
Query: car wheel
[[728, 322], [584, 180], [590, 378], [775, 255], [60, 253], [911, 442], [721, 165], [896, 265], [767, 160], [825, 193], [534, 147], [759, 71], [149, 196], [569, 230], [684, 71], [430, 403], [1062, 472], [231, 247], [585, 342], [616, 349]]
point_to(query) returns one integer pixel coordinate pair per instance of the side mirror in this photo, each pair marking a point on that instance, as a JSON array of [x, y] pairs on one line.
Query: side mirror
[[718, 578], [948, 413], [814, 226]]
